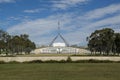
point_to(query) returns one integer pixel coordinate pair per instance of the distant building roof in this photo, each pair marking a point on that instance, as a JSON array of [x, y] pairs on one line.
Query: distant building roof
[[58, 44]]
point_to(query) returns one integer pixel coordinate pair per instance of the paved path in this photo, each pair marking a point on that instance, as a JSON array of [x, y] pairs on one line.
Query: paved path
[[23, 59]]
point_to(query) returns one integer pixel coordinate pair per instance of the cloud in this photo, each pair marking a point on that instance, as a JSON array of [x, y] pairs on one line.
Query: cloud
[[102, 17], [102, 12], [105, 22], [38, 28], [75, 28], [13, 18], [64, 4], [42, 31], [33, 11], [7, 1]]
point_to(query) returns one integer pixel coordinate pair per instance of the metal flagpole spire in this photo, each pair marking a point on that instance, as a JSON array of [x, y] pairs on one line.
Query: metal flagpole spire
[[58, 27], [59, 35]]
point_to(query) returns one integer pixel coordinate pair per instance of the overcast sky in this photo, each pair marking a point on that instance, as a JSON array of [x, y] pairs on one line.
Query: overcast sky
[[78, 18]]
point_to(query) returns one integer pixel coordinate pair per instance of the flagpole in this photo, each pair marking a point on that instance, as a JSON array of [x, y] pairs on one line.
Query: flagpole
[[58, 27]]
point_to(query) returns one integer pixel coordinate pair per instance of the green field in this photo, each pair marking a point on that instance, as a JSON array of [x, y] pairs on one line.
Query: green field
[[60, 71]]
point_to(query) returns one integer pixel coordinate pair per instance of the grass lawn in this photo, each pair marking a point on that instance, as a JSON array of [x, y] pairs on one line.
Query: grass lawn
[[60, 71]]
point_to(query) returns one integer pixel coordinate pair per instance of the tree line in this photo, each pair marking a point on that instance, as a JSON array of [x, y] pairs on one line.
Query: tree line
[[104, 42], [16, 44]]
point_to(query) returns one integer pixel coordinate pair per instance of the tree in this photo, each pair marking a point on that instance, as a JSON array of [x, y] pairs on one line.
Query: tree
[[4, 37], [15, 44], [101, 41], [117, 43], [21, 44]]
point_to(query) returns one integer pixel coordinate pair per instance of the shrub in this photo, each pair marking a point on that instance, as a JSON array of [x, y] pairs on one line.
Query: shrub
[[13, 62], [2, 62], [69, 59], [94, 61], [34, 61]]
